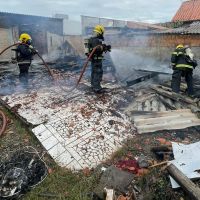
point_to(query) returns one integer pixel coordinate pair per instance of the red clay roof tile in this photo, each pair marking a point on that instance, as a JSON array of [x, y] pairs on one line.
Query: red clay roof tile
[[189, 11]]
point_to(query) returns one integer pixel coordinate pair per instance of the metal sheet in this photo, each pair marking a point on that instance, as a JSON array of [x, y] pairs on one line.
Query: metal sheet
[[186, 160]]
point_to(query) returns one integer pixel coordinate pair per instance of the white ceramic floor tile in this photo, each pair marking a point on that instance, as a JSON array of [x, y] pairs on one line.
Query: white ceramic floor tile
[[77, 133]]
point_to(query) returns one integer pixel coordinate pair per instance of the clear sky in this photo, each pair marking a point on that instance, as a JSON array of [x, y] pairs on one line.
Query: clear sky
[[136, 10]]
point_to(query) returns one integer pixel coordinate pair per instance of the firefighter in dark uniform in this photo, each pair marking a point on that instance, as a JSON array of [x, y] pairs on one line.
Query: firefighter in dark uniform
[[25, 52], [183, 63], [96, 61]]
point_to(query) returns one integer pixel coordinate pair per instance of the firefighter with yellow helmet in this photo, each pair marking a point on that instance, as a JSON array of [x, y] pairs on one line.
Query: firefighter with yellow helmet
[[96, 61], [24, 55], [183, 63]]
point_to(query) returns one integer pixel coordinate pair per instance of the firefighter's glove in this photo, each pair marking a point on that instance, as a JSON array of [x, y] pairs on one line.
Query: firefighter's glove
[[104, 47], [194, 64], [34, 51], [108, 48], [31, 47]]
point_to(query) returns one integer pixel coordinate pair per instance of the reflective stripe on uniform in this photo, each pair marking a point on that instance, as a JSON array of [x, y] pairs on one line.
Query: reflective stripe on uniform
[[180, 53], [98, 58], [177, 53], [184, 66], [24, 62]]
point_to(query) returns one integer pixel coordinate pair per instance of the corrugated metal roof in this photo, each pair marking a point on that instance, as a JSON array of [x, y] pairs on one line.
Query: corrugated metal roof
[[189, 11], [193, 28], [142, 25]]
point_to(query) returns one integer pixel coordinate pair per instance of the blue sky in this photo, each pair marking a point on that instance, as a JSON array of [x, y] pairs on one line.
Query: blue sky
[[137, 10]]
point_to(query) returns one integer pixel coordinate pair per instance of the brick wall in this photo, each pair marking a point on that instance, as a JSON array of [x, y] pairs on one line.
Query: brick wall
[[157, 46], [154, 40]]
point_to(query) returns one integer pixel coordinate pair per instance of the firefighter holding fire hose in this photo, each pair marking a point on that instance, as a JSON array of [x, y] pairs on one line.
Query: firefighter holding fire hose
[[183, 63], [24, 56], [96, 60]]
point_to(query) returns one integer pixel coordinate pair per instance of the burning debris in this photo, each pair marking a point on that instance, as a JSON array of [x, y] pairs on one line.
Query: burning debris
[[23, 171]]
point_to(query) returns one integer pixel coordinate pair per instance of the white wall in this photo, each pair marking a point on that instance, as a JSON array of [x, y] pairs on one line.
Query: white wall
[[7, 37], [54, 41], [71, 27]]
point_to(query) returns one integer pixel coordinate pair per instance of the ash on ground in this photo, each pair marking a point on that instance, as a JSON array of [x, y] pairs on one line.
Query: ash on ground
[[23, 171]]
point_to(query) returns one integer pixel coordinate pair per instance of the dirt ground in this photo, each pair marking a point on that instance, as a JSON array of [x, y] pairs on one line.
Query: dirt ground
[[156, 185], [64, 184]]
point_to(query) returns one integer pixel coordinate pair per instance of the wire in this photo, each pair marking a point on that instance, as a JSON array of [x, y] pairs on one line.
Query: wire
[[36, 152]]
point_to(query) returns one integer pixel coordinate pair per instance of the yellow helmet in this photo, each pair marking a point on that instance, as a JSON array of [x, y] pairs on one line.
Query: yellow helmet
[[24, 37], [99, 29], [179, 46]]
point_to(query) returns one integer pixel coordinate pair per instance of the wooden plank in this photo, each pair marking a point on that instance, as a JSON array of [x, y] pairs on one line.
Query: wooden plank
[[169, 123], [192, 190], [141, 79], [164, 119], [169, 126], [189, 114], [173, 95], [166, 103], [144, 97], [160, 114]]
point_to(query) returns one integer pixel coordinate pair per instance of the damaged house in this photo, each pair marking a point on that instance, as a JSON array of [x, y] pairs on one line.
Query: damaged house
[[42, 30], [47, 34], [80, 129], [64, 122]]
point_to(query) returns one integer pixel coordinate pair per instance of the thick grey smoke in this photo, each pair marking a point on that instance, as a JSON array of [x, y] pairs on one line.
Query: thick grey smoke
[[126, 63], [52, 56]]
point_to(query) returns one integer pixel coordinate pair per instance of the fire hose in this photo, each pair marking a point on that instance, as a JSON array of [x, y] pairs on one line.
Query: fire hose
[[4, 123], [85, 65], [49, 70]]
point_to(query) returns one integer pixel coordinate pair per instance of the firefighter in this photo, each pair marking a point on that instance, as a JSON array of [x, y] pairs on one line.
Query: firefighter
[[24, 56], [96, 61], [183, 63]]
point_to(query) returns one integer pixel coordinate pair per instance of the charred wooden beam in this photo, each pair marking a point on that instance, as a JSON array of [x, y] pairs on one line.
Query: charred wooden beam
[[141, 79], [173, 96], [151, 71], [166, 103]]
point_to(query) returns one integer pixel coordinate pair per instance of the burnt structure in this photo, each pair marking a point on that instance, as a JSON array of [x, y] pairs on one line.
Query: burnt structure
[[37, 26]]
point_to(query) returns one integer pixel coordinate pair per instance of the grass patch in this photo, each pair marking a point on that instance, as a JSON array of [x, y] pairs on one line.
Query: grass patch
[[63, 183], [66, 185]]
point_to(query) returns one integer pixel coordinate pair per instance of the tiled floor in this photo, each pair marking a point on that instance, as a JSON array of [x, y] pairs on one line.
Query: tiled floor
[[78, 130]]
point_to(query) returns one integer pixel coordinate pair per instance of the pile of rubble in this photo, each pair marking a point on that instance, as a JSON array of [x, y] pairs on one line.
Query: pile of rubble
[[80, 129]]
